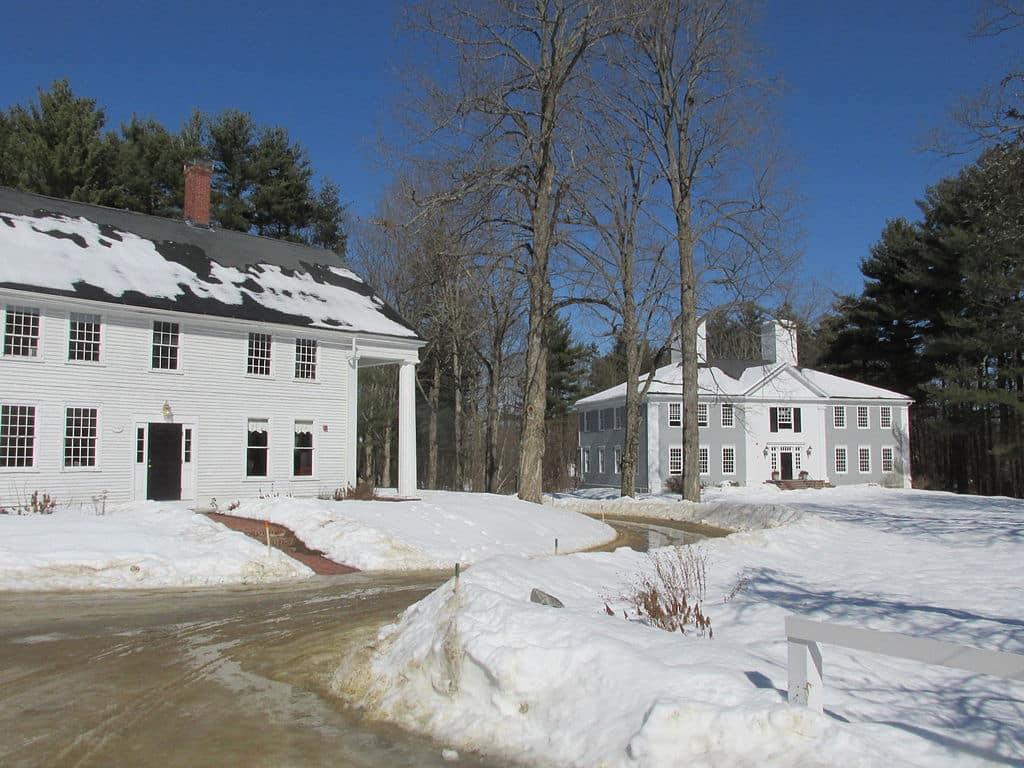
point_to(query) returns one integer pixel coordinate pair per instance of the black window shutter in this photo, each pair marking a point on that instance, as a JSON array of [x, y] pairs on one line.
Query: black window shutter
[[796, 419], [773, 415]]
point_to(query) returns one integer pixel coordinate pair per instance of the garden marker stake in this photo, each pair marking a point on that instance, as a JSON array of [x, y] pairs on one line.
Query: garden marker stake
[[556, 546], [266, 526]]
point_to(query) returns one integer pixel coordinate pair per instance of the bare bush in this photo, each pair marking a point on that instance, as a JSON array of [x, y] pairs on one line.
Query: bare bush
[[671, 595], [36, 504]]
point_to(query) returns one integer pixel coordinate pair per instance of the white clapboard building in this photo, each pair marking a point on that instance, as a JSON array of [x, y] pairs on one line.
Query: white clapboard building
[[152, 358]]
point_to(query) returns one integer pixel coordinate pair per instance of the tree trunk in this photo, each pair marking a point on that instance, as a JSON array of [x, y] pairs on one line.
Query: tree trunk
[[433, 399], [385, 471], [491, 461], [458, 480]]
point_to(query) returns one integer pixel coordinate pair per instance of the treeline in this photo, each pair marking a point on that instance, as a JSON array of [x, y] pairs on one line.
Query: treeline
[[263, 182], [941, 318]]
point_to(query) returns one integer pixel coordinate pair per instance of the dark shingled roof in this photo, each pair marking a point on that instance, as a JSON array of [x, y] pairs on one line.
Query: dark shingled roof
[[198, 248]]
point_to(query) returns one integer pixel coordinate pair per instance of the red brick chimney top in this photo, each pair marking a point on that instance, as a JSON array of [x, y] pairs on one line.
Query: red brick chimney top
[[197, 192]]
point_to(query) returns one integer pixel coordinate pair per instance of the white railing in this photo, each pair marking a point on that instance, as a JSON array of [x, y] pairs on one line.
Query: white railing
[[805, 676]]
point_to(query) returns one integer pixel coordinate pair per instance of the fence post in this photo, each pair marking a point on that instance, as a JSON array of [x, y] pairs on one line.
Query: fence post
[[805, 680]]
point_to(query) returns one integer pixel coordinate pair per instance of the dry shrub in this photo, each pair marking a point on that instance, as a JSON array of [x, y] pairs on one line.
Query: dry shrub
[[671, 596], [36, 504], [363, 491], [674, 484]]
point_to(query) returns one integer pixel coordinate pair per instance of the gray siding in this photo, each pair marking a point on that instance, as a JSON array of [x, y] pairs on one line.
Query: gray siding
[[609, 439], [874, 438], [714, 437]]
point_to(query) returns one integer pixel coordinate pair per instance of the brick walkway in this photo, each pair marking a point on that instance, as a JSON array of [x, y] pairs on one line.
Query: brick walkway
[[283, 539]]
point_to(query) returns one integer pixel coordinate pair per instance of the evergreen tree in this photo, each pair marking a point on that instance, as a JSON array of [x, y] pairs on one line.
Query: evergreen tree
[[327, 225], [147, 172], [282, 195], [567, 365], [230, 145]]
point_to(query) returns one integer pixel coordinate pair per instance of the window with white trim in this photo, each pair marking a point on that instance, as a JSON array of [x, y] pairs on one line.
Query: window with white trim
[[862, 417], [864, 460], [785, 413], [617, 460], [728, 415], [702, 414], [728, 460], [600, 460], [140, 445], [703, 460], [256, 447], [590, 421], [841, 464], [186, 448], [302, 449], [21, 331], [888, 459], [604, 419], [258, 363], [166, 337], [839, 416], [675, 461], [885, 417], [80, 432], [586, 460], [305, 358], [84, 338], [620, 417], [17, 435], [675, 414]]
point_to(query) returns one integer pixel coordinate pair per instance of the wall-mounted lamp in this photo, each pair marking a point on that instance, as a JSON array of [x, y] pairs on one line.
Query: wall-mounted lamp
[[166, 410], [808, 450], [766, 451]]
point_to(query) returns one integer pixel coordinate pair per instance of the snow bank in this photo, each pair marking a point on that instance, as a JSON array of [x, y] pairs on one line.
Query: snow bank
[[484, 668], [437, 531], [132, 546]]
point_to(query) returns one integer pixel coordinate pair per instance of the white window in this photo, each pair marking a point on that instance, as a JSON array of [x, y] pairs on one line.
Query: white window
[[728, 415], [839, 416], [728, 460], [604, 419], [862, 417], [785, 417], [600, 461], [702, 414], [305, 359], [702, 460], [165, 345], [864, 460], [259, 354], [256, 447], [21, 332], [885, 417], [140, 444], [888, 460], [84, 338], [586, 459], [675, 417], [17, 435], [675, 461], [80, 437], [186, 447], [617, 460], [841, 465], [302, 449], [620, 417]]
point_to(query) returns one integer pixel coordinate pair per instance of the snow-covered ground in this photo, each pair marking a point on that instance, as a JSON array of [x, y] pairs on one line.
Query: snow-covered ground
[[481, 667], [440, 529], [149, 544]]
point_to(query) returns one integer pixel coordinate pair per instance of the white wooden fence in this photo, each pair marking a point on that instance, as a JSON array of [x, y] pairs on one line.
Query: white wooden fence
[[805, 666]]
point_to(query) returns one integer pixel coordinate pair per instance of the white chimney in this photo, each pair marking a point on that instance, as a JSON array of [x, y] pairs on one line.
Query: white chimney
[[676, 344], [778, 342]]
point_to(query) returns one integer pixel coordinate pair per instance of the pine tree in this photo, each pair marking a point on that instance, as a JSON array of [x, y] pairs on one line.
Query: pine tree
[[147, 174], [567, 364], [327, 225], [230, 137]]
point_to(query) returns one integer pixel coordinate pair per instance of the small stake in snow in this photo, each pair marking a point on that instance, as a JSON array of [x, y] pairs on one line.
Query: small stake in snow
[[266, 528], [556, 546], [456, 577]]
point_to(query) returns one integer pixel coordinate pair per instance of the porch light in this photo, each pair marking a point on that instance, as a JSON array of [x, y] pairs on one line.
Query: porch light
[[766, 451], [166, 410], [808, 450]]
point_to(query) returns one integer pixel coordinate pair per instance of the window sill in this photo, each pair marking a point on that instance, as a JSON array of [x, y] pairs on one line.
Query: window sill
[[23, 358], [20, 471], [167, 371], [259, 376], [85, 363]]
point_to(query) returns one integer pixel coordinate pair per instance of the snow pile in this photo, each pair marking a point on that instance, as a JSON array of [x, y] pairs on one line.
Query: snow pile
[[436, 531], [482, 667], [132, 546]]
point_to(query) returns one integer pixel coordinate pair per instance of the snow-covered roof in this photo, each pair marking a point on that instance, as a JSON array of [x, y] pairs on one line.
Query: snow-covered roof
[[91, 252], [752, 379]]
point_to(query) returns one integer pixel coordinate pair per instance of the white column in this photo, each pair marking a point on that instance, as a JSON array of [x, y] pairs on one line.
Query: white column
[[407, 429], [653, 448], [352, 425]]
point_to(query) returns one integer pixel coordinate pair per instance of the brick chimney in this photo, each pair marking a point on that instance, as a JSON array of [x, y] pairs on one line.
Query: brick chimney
[[197, 192]]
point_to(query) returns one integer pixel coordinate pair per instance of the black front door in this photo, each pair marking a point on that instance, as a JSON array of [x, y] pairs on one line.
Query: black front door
[[786, 464], [164, 470]]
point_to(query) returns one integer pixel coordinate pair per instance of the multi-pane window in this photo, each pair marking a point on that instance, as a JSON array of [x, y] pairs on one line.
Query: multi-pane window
[[305, 358], [702, 460], [17, 435], [186, 454], [605, 419], [864, 459], [617, 460], [675, 461], [885, 417], [600, 461], [21, 332], [620, 416], [785, 417], [165, 345], [841, 460], [590, 422], [586, 460], [728, 460], [862, 417], [259, 354], [80, 437], [675, 414], [257, 442], [728, 415], [702, 414], [888, 460], [84, 337], [839, 416], [140, 445], [302, 451]]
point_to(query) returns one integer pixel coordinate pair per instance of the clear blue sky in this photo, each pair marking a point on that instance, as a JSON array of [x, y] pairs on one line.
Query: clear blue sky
[[865, 82]]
